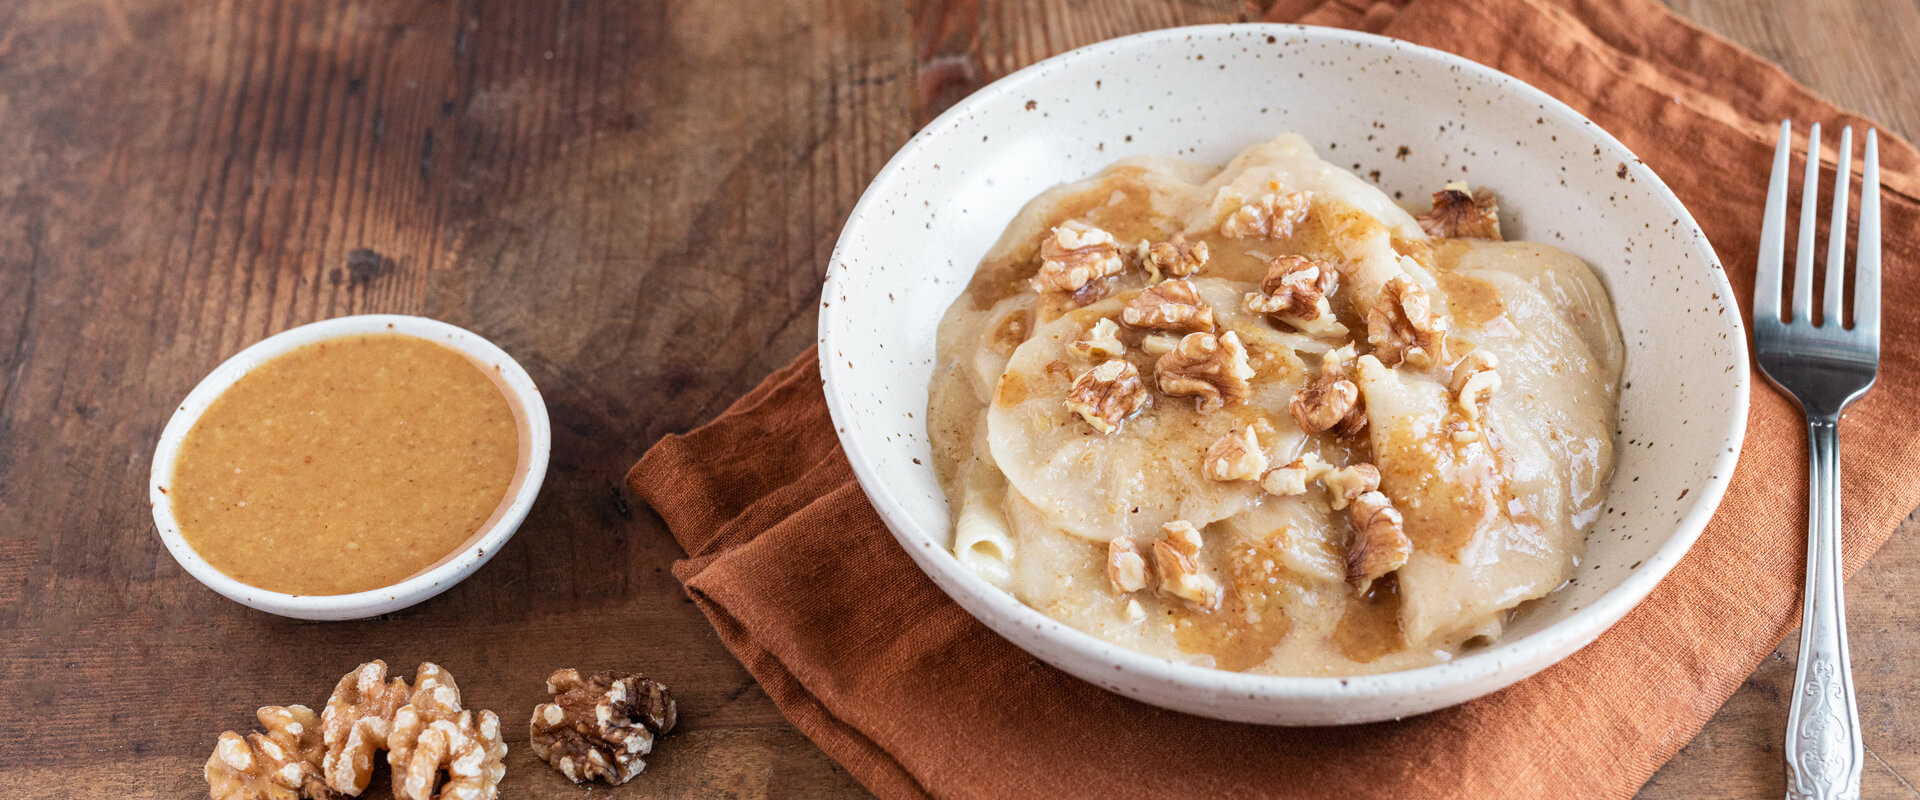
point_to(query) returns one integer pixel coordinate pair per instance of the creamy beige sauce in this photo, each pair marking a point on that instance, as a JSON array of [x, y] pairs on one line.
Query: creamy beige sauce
[[1037, 493], [346, 465]]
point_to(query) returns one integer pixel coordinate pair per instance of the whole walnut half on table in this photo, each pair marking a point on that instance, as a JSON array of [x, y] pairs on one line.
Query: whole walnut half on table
[[600, 727]]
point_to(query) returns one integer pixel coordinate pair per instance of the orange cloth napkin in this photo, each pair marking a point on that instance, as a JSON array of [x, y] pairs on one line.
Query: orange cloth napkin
[[916, 698]]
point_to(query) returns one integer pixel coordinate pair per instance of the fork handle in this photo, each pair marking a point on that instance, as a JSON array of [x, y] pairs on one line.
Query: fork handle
[[1824, 750]]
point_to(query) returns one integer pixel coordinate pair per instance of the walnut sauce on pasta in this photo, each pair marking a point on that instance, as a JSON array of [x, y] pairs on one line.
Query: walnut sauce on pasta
[[1262, 418]]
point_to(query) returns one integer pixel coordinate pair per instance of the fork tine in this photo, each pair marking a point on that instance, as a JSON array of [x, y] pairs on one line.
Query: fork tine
[[1802, 310], [1773, 233], [1837, 231], [1866, 278]]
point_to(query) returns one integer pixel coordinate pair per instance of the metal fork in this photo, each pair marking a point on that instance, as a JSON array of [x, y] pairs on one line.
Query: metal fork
[[1823, 367]]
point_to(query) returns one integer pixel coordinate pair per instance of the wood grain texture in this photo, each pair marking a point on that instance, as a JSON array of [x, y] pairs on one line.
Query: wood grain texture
[[637, 200]]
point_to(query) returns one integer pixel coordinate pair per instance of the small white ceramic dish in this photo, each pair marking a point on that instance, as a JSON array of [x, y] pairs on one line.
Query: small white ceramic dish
[[1407, 117], [529, 410]]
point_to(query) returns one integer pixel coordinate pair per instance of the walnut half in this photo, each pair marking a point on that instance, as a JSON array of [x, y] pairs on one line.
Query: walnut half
[[1176, 555], [1172, 306], [1297, 291], [432, 732], [1331, 401], [1074, 255], [1401, 326], [1214, 371], [1108, 394], [355, 724], [1379, 544], [423, 729], [600, 727], [1459, 213], [1176, 257], [468, 748]]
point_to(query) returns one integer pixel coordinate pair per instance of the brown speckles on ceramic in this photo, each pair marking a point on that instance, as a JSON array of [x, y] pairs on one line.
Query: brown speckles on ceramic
[[1409, 119]]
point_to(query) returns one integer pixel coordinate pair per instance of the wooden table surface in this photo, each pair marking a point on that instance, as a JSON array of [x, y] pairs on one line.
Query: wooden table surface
[[637, 200]]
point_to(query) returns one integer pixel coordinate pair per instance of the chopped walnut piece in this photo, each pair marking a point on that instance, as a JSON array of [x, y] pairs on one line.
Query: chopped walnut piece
[[1349, 482], [1102, 341], [600, 727], [1379, 544], [356, 722], [1126, 568], [1108, 394], [1295, 476], [1074, 255], [1176, 555], [1236, 456], [1401, 326], [281, 764], [1176, 257], [1331, 401], [1339, 360], [435, 698], [468, 748], [1458, 213], [1299, 274], [1171, 306], [1159, 344], [1212, 370], [1271, 216], [1475, 378], [1297, 291], [1134, 612], [1328, 405]]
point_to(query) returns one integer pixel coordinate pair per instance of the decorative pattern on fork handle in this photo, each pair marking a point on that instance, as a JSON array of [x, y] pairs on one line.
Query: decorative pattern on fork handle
[[1823, 740], [1824, 751]]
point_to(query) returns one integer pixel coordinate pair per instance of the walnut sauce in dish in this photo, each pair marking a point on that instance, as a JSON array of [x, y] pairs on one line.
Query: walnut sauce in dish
[[345, 465], [478, 489]]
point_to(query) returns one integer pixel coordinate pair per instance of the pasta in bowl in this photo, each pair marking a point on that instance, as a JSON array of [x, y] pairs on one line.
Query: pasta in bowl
[[1174, 109], [1262, 418]]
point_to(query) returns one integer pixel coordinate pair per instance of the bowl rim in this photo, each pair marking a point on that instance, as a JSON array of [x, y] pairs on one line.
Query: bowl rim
[[481, 546], [1558, 640]]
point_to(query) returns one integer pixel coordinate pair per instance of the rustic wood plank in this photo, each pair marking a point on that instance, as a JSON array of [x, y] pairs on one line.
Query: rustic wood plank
[[635, 199], [607, 192], [1860, 55]]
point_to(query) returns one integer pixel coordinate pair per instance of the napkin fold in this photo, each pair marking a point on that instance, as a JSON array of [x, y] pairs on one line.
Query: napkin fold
[[916, 698]]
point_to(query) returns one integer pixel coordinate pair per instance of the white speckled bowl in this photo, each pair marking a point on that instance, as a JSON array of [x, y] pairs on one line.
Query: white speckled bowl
[[530, 414], [1419, 117]]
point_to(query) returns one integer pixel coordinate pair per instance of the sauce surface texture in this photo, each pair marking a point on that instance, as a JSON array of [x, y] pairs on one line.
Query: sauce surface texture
[[346, 465]]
